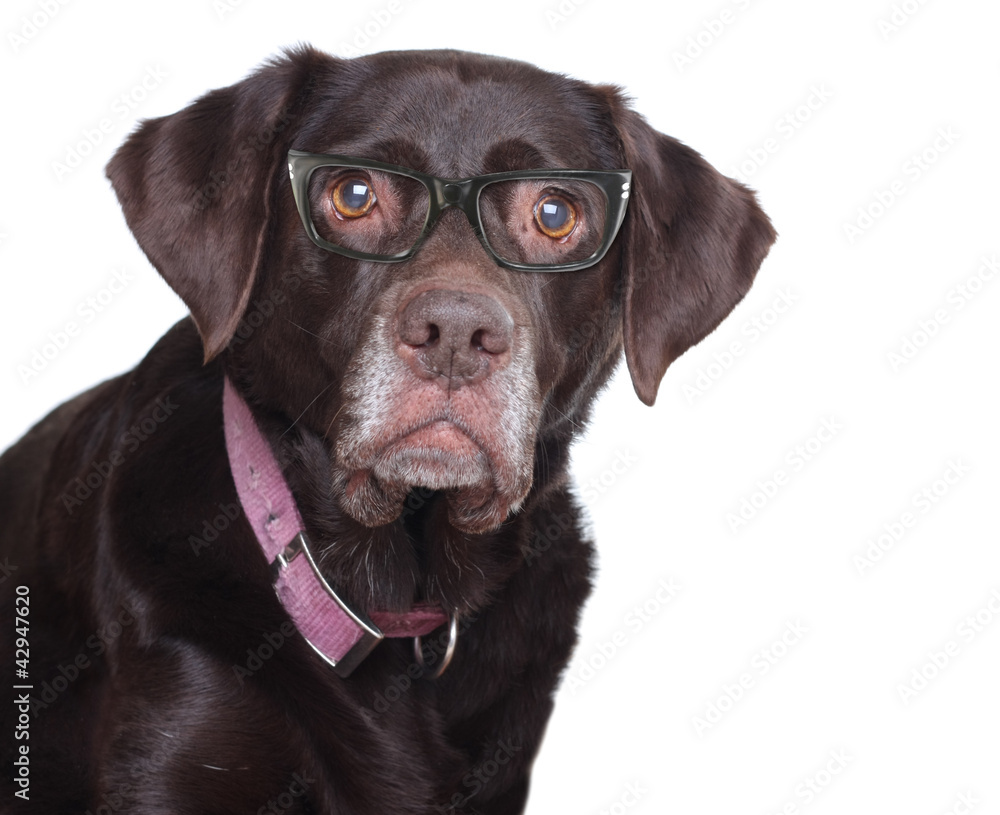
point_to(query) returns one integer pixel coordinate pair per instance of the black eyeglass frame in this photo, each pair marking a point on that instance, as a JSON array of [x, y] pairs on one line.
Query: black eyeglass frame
[[463, 193]]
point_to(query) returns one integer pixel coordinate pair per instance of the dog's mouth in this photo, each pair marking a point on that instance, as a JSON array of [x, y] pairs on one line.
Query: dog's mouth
[[439, 456]]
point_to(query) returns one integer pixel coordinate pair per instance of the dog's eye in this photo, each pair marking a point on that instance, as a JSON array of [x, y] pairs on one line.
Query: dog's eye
[[353, 197], [555, 216]]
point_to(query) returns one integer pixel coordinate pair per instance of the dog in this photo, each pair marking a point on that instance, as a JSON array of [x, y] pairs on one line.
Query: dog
[[409, 274]]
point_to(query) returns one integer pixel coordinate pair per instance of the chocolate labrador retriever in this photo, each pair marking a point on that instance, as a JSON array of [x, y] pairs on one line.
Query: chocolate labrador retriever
[[318, 552]]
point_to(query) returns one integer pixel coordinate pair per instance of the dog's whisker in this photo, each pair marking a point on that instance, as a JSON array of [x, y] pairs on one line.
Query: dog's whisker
[[313, 334], [334, 419], [303, 413], [578, 425], [368, 572], [450, 554]]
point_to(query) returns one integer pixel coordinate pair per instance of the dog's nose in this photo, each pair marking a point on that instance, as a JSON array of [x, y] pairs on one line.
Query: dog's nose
[[457, 336]]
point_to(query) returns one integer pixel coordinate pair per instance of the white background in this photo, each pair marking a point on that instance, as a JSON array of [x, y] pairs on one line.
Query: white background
[[670, 476]]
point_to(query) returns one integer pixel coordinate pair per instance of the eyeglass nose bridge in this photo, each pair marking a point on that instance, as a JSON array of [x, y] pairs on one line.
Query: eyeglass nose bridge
[[453, 193], [459, 193]]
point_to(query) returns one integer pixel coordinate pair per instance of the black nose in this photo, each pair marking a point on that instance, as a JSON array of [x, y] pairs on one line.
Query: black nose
[[457, 336]]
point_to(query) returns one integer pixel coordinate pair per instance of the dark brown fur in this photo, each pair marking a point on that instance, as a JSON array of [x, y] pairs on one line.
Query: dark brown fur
[[144, 617]]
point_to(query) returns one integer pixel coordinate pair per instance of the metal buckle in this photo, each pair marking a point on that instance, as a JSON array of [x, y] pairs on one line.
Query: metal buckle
[[448, 653], [370, 633]]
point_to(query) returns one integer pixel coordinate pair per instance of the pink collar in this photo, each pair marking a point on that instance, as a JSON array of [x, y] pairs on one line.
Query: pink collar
[[339, 634]]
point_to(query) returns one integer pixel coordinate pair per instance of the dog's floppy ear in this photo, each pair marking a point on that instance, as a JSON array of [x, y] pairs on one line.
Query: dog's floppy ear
[[694, 240], [195, 188]]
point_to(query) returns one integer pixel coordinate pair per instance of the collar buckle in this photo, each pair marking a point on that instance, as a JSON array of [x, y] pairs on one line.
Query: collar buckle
[[370, 634]]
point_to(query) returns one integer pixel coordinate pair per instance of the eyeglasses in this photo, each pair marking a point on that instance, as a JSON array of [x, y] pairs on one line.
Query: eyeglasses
[[528, 220]]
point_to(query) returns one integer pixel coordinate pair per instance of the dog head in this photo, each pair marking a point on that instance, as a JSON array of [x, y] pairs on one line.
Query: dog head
[[446, 371]]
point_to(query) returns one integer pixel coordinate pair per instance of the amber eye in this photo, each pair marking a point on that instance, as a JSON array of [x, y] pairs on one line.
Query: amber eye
[[555, 216], [353, 197]]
